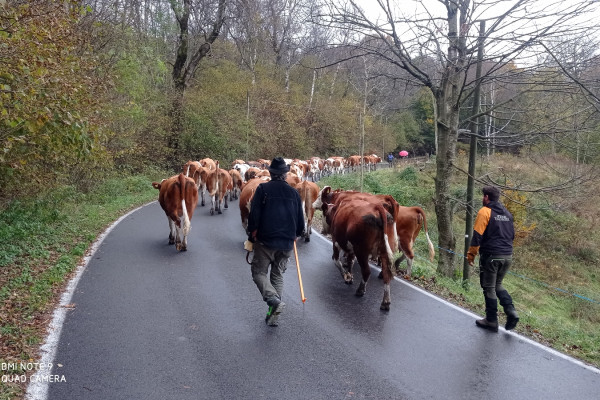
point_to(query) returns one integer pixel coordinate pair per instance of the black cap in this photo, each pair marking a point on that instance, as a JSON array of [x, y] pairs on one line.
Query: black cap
[[278, 166]]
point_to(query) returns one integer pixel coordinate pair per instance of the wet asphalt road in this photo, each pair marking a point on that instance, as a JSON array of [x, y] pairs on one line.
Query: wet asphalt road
[[152, 323]]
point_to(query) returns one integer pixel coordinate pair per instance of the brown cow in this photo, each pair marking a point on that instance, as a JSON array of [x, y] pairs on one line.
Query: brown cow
[[292, 179], [251, 173], [362, 229], [264, 163], [189, 169], [208, 163], [178, 197], [353, 162], [237, 182], [409, 221], [327, 196], [194, 169], [218, 184], [246, 198], [308, 193], [263, 173]]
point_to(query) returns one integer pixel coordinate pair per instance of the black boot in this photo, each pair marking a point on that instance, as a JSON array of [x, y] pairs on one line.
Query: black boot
[[512, 318], [490, 321]]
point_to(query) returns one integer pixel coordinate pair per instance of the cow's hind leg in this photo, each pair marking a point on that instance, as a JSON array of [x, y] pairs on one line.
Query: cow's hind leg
[[226, 205], [387, 277], [178, 236], [308, 231], [219, 201], [365, 269], [183, 245], [396, 266], [346, 273], [348, 264], [212, 205], [172, 231], [202, 197], [407, 252]]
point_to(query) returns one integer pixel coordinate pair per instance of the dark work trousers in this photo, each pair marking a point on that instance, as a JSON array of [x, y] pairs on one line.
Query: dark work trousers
[[270, 284], [492, 268]]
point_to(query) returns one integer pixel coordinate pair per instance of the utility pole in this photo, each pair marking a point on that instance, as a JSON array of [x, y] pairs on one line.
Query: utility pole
[[473, 127], [247, 120]]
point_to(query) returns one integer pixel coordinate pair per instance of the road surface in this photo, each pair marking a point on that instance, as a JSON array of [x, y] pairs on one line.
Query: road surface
[[148, 322]]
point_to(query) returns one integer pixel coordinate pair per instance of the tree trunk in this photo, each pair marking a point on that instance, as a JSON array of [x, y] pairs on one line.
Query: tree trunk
[[176, 116], [185, 67], [447, 104], [447, 137]]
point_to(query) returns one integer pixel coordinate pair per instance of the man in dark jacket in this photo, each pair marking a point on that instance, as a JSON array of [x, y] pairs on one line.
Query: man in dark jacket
[[276, 219], [493, 235]]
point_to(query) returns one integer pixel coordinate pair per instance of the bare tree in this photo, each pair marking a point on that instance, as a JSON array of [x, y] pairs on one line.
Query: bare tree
[[517, 31]]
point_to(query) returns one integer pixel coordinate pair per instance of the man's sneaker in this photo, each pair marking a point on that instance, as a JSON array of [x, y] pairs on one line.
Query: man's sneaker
[[273, 314]]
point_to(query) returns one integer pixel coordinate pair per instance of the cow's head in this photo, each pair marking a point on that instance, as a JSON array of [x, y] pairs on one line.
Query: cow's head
[[322, 198], [328, 212]]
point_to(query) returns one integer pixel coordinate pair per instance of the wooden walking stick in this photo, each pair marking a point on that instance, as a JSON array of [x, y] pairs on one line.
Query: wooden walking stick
[[299, 274]]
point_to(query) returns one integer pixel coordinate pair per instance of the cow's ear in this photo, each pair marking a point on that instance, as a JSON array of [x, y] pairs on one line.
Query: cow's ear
[[326, 190]]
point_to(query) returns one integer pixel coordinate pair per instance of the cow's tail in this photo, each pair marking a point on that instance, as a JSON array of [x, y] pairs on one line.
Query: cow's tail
[[303, 195], [429, 243], [386, 234], [186, 219], [218, 180]]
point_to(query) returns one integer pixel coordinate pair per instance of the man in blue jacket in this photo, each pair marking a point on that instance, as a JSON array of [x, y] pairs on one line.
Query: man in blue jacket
[[276, 219], [493, 235]]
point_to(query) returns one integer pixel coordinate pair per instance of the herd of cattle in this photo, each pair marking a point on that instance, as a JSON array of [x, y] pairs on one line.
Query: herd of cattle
[[363, 226]]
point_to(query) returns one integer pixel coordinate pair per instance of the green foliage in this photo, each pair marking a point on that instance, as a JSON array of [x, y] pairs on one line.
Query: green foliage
[[406, 186], [137, 113], [49, 97]]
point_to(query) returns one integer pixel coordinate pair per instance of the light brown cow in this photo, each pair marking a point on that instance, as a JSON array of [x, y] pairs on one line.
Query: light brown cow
[[218, 184], [297, 170], [263, 173], [339, 163], [409, 222], [308, 193], [362, 229], [251, 173], [292, 179], [263, 163], [208, 163], [189, 169], [353, 162], [246, 198], [178, 197], [237, 182]]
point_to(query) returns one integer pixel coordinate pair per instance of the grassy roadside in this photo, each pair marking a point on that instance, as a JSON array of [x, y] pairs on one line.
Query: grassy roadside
[[554, 281], [42, 240]]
